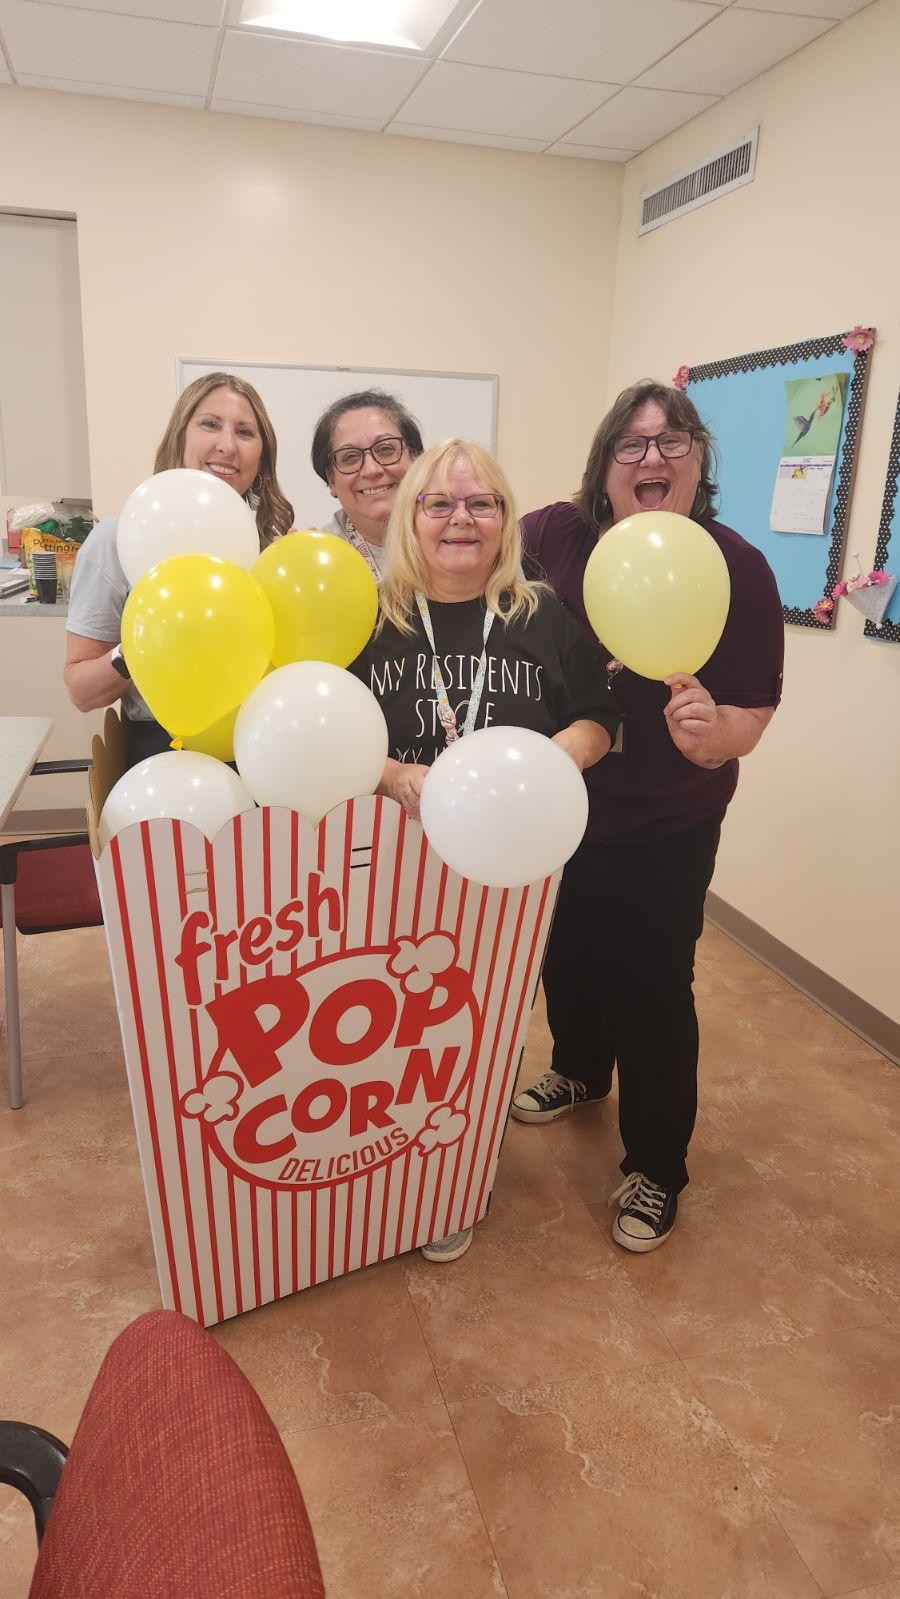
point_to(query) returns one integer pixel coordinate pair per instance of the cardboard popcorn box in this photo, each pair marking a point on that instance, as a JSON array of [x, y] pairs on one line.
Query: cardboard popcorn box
[[321, 1027]]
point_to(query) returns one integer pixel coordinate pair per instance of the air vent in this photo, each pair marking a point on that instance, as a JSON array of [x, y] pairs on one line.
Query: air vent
[[687, 190]]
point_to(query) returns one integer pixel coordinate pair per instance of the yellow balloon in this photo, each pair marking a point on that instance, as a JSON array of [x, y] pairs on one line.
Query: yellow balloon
[[217, 740], [197, 636], [323, 597], [656, 591]]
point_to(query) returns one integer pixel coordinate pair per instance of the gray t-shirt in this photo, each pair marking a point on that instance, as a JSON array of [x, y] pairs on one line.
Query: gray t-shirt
[[97, 600], [338, 525]]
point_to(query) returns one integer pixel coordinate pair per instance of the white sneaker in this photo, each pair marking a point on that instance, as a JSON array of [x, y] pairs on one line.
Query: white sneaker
[[443, 1250]]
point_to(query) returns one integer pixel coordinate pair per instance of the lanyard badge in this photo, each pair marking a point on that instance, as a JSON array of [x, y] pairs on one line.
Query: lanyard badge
[[446, 713]]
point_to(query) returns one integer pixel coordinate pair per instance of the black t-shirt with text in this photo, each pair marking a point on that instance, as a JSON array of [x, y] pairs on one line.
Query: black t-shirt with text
[[541, 673]]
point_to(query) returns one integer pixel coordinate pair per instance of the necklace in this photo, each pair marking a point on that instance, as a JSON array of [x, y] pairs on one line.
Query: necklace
[[446, 713]]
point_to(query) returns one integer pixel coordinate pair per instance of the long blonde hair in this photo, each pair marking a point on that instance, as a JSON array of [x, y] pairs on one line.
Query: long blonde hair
[[274, 513], [506, 592]]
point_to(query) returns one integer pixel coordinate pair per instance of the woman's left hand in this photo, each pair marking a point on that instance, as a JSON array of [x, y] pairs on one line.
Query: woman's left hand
[[692, 717]]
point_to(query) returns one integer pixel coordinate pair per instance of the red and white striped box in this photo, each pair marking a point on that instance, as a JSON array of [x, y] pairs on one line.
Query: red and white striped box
[[321, 1030]]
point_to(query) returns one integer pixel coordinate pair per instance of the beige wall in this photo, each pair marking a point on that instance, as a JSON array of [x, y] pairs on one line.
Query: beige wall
[[212, 235], [812, 846]]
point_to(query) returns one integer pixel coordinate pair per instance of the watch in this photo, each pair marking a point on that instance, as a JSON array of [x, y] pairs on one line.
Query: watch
[[117, 662]]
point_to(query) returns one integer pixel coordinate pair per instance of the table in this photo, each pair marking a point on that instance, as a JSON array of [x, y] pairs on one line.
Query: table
[[21, 740]]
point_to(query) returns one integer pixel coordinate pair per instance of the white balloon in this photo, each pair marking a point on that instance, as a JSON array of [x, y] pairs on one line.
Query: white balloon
[[184, 512], [180, 784], [504, 806], [310, 736]]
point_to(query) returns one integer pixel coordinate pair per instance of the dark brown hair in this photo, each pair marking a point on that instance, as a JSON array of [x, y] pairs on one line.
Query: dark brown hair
[[362, 400], [592, 501], [274, 513]]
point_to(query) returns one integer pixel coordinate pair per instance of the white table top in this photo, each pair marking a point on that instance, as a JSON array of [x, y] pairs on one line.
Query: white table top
[[21, 740]]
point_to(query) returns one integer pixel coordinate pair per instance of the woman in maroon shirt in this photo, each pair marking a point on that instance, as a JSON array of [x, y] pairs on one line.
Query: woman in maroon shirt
[[620, 966]]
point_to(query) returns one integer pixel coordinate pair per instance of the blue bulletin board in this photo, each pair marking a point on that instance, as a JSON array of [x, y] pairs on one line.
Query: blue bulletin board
[[743, 402], [890, 523]]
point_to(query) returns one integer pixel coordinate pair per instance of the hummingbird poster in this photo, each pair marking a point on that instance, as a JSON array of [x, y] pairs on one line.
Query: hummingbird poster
[[812, 431]]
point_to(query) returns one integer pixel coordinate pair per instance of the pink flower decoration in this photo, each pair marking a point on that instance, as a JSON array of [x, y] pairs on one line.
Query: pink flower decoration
[[859, 339], [823, 608], [683, 377], [837, 591], [879, 578]]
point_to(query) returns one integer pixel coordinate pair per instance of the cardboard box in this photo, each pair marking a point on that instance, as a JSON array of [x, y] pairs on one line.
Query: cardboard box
[[322, 1029]]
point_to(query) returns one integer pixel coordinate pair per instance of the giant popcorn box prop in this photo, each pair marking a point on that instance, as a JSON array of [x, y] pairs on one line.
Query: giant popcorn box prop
[[321, 1031]]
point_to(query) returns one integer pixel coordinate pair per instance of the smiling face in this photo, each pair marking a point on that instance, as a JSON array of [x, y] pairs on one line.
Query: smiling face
[[653, 484], [223, 438], [367, 495], [460, 551]]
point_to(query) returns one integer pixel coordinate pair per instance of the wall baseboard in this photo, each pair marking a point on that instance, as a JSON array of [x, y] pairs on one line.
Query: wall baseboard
[[877, 1029]]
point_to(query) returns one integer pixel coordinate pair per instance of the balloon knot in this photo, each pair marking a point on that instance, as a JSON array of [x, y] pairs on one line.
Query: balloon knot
[[177, 744]]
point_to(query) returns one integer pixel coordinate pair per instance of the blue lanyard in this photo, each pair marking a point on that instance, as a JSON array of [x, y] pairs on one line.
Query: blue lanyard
[[446, 713]]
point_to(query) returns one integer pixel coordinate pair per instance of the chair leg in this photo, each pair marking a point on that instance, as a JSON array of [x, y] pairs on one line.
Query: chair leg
[[11, 976]]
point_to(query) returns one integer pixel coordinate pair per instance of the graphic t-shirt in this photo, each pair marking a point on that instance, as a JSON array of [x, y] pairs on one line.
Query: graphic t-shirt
[[650, 790], [543, 673]]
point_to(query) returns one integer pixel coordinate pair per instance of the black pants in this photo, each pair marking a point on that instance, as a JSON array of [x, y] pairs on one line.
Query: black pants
[[145, 738], [618, 979]]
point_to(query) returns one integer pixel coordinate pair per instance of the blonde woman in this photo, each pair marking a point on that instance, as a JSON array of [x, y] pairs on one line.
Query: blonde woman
[[463, 641], [220, 426]]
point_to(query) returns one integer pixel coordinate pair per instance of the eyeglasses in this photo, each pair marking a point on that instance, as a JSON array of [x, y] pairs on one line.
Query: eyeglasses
[[631, 448], [479, 506], [386, 452]]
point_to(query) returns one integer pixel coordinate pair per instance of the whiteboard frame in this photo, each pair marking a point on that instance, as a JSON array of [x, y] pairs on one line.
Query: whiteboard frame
[[314, 366]]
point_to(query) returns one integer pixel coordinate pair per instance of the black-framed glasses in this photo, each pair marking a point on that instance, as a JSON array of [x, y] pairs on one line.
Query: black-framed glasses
[[479, 506], [631, 448], [349, 458]]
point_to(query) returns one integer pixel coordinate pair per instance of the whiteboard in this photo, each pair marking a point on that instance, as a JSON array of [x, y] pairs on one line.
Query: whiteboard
[[445, 404]]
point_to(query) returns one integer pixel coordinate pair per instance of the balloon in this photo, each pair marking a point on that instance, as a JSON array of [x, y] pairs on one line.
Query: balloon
[[310, 736], [656, 592], [217, 740], [184, 512], [197, 635], [504, 806], [178, 784], [323, 598]]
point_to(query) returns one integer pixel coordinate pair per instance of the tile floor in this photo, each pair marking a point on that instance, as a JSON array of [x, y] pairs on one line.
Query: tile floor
[[549, 1417]]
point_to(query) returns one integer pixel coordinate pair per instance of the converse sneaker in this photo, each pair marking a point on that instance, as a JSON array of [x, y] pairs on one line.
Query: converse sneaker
[[646, 1213], [445, 1249], [551, 1097]]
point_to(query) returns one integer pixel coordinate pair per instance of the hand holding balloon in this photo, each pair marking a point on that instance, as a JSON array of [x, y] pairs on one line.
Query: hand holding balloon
[[691, 716], [403, 783]]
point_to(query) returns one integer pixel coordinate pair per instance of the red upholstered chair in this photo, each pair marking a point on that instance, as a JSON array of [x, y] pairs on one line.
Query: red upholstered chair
[[177, 1483], [47, 885]]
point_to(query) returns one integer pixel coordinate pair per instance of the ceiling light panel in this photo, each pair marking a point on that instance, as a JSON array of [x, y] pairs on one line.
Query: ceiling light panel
[[396, 24]]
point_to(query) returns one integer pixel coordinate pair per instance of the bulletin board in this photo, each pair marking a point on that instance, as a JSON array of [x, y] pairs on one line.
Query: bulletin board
[[889, 524], [743, 402], [445, 404]]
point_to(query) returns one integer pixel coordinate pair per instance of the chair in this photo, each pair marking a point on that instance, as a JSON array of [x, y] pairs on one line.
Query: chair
[[47, 885], [176, 1484]]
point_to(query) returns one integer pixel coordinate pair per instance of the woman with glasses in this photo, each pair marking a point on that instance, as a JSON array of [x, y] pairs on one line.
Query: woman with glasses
[[362, 446], [464, 641], [620, 964]]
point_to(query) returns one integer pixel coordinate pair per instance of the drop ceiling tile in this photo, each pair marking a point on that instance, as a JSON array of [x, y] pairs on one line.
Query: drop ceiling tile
[[280, 113], [79, 47], [590, 152], [638, 117], [493, 141], [207, 12], [837, 9], [111, 91], [736, 47], [518, 105], [295, 74], [611, 41]]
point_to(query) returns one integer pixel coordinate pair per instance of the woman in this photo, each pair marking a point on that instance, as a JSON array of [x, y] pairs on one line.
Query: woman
[[362, 446], [463, 640], [219, 426], [619, 984]]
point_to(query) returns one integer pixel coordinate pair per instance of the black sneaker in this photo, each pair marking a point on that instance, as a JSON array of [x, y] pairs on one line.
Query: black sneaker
[[646, 1213], [551, 1097]]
